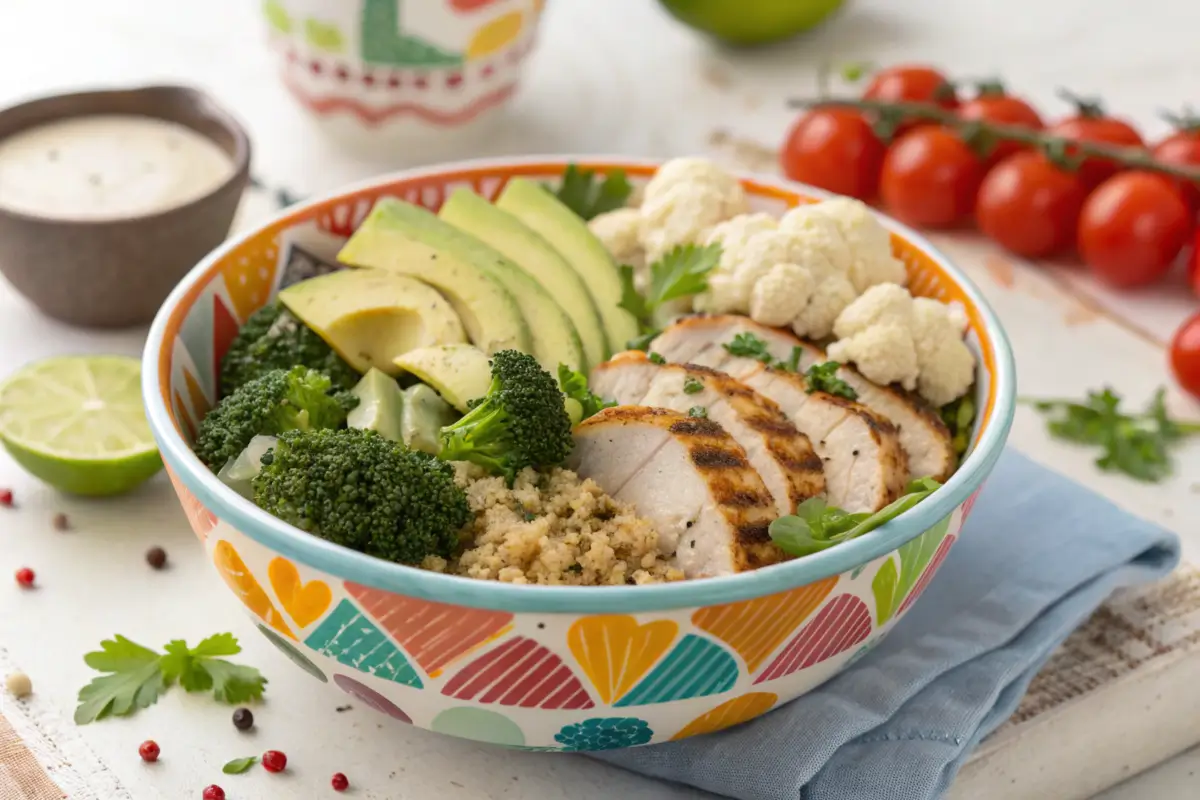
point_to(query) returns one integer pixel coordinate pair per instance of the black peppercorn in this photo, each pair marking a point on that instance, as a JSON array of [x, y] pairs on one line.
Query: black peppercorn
[[243, 719], [156, 557]]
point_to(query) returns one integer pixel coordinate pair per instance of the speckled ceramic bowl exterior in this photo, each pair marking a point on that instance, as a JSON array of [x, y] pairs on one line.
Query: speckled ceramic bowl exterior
[[405, 77], [547, 668], [112, 273]]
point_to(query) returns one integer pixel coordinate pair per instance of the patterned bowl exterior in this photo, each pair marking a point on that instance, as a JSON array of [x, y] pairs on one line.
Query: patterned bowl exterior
[[543, 668]]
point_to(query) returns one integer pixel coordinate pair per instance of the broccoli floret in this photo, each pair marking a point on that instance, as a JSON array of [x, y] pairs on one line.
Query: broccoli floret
[[278, 401], [521, 421], [273, 338], [357, 489]]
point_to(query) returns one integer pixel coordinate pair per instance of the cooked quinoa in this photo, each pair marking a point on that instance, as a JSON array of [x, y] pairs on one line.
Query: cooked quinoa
[[553, 528]]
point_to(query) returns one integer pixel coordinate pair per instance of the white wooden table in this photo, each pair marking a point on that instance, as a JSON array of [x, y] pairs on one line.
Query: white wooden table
[[611, 76]]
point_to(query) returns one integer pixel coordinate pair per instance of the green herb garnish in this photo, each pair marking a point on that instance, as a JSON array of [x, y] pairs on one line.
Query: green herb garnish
[[575, 386], [823, 378], [136, 675], [239, 765], [1137, 445], [816, 525], [586, 195], [747, 345], [698, 411], [692, 386], [681, 272], [656, 358]]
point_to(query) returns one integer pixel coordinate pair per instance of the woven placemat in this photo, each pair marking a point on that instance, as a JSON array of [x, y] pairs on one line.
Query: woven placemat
[[21, 776]]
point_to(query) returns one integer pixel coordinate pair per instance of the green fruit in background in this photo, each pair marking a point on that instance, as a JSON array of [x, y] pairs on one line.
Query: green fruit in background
[[750, 22]]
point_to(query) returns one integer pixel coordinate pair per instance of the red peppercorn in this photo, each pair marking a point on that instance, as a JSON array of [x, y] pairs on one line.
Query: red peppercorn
[[213, 792], [340, 782], [149, 751], [6, 498], [274, 761], [25, 577]]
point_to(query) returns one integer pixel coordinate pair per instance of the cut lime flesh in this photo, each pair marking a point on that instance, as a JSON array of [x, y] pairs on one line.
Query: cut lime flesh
[[77, 423]]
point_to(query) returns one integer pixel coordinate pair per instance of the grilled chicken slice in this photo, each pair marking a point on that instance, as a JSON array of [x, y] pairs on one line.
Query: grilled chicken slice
[[689, 477], [783, 456], [925, 439]]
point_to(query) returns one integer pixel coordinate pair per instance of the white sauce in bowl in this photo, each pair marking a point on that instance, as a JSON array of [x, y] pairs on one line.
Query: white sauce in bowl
[[108, 167]]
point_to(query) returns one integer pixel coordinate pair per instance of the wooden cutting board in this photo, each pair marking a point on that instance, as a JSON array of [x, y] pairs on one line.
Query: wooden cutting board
[[1121, 695]]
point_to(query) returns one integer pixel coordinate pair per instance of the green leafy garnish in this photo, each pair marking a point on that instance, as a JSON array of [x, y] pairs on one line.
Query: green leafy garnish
[[747, 345], [698, 411], [1137, 445], [239, 765], [681, 272], [959, 416], [816, 525], [642, 341], [589, 197], [692, 386], [136, 675], [656, 358], [575, 386], [823, 378]]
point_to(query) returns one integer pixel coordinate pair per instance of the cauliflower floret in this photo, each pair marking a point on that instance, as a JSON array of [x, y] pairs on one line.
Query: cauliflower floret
[[947, 365], [620, 232], [750, 247], [883, 353], [884, 303], [817, 233], [830, 297], [684, 200], [869, 242], [781, 294]]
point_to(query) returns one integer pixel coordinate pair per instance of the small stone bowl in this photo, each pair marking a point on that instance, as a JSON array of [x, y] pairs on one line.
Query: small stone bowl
[[111, 273]]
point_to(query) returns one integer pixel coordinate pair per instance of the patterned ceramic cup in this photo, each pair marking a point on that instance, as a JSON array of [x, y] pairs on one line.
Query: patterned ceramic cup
[[411, 77], [535, 667]]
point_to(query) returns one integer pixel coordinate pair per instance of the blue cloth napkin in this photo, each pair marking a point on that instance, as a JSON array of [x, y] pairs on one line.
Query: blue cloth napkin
[[1038, 554]]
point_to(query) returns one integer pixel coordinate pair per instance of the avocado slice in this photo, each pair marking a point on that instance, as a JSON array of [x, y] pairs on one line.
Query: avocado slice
[[370, 316], [569, 235], [425, 414], [393, 238], [460, 372], [380, 406], [554, 339], [499, 229]]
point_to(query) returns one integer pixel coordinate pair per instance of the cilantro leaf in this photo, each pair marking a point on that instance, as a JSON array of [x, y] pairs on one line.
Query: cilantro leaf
[[1137, 445], [692, 386], [698, 411], [239, 765], [575, 386], [580, 191], [748, 345], [681, 272], [817, 526], [220, 644], [234, 683], [823, 378], [133, 681]]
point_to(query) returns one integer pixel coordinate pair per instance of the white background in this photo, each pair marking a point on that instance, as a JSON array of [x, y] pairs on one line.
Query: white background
[[608, 76]]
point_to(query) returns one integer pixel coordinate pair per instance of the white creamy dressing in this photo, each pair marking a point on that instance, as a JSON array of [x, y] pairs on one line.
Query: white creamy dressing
[[108, 167]]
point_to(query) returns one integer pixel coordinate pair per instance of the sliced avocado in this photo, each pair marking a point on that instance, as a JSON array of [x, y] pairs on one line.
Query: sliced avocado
[[460, 372], [380, 406], [499, 229], [393, 238], [569, 235], [425, 414], [370, 316]]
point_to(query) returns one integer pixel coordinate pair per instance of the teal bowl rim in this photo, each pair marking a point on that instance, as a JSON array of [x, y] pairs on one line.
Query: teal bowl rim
[[349, 565]]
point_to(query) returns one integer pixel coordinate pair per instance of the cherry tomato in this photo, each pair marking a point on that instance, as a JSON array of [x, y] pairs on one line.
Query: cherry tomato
[[834, 149], [930, 177], [1091, 124], [1002, 109], [1193, 265], [1132, 227], [1185, 356], [1182, 148], [1029, 206], [911, 83]]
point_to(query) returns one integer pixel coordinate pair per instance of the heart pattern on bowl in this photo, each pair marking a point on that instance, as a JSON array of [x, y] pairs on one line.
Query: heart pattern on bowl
[[304, 602]]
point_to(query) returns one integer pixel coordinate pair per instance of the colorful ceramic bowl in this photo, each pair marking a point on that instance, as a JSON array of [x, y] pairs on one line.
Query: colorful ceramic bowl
[[548, 668], [403, 77]]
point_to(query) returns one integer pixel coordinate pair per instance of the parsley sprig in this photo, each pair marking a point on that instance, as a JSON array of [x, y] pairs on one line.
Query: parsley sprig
[[823, 378], [581, 401], [681, 272], [1137, 445], [748, 345], [816, 525], [589, 197], [135, 676]]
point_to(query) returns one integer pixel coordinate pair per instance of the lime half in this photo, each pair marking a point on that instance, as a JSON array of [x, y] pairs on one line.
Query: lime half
[[77, 422]]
